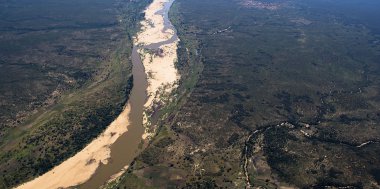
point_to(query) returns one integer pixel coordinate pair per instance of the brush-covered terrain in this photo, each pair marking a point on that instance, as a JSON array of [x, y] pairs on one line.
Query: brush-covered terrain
[[65, 74], [273, 94]]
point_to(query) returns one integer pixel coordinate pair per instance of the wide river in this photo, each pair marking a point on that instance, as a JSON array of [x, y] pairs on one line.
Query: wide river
[[128, 145]]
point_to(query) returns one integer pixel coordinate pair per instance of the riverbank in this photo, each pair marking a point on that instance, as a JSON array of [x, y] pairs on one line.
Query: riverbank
[[74, 169], [80, 167]]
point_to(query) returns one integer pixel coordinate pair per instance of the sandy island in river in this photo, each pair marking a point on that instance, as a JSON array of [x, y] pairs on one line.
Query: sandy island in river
[[161, 74], [159, 64]]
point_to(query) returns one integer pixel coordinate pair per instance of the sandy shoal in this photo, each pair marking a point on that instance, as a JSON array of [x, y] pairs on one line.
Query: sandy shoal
[[153, 25], [79, 168], [160, 68], [161, 71]]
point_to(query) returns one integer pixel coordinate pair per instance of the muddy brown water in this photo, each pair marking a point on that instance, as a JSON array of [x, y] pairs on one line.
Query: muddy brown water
[[126, 147]]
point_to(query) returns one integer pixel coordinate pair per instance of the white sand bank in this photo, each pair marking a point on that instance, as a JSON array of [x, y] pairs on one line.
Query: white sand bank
[[80, 167], [159, 66]]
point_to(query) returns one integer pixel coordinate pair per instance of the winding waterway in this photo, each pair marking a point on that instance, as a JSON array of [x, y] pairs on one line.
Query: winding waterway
[[127, 146]]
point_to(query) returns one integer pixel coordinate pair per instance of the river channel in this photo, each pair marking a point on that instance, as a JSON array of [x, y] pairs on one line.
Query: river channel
[[128, 145]]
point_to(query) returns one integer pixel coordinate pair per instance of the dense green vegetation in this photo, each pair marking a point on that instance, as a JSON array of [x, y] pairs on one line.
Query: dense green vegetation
[[79, 49], [287, 96]]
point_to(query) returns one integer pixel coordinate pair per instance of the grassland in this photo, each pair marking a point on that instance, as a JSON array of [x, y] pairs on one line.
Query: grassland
[[66, 74], [281, 94]]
